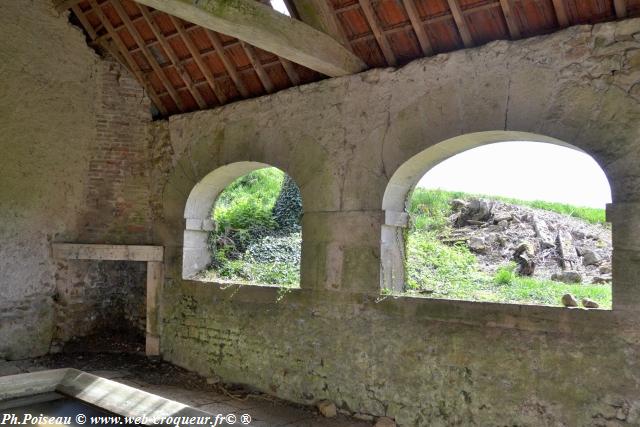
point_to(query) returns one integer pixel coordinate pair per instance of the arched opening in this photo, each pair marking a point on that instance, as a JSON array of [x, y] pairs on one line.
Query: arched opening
[[243, 226], [498, 233]]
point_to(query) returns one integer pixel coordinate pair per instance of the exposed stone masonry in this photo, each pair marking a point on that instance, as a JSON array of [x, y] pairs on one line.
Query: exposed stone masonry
[[422, 362]]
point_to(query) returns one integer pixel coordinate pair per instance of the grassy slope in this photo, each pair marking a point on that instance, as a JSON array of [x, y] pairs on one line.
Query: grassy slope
[[439, 199], [247, 203], [249, 200], [450, 271]]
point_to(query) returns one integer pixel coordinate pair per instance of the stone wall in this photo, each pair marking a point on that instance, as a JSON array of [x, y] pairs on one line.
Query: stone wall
[[421, 361], [73, 164]]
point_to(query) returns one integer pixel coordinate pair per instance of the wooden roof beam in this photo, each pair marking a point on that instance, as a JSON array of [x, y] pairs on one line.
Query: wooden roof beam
[[133, 31], [173, 57], [463, 28], [561, 13], [267, 29], [197, 57], [132, 64], [512, 24], [621, 8], [372, 20], [418, 27]]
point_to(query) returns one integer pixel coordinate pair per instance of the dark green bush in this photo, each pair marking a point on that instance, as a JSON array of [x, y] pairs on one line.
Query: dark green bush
[[288, 208]]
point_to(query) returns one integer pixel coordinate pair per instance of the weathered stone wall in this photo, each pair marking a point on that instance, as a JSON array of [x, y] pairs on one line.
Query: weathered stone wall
[[72, 144], [424, 362]]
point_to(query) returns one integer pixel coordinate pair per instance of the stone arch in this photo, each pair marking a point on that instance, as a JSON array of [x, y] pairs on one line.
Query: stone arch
[[406, 177], [197, 213]]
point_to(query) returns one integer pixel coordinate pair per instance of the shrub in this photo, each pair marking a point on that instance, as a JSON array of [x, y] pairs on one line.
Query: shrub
[[257, 236], [506, 274], [288, 207]]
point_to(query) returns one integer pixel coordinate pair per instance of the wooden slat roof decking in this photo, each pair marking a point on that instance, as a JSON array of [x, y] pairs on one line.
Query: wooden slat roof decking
[[185, 67]]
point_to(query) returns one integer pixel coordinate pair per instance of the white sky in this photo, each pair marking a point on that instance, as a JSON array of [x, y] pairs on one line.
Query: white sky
[[525, 170], [279, 6]]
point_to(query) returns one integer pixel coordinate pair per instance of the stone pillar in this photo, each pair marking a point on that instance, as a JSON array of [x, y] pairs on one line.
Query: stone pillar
[[154, 282], [392, 251], [625, 223], [341, 251], [196, 255]]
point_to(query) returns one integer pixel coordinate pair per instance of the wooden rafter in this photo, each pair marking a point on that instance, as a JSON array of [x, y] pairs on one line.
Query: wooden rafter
[[320, 15], [228, 65], [461, 23], [290, 69], [418, 27], [151, 60], [292, 9], [173, 57], [263, 27], [372, 20], [621, 8], [85, 23], [195, 53], [257, 65], [561, 13], [512, 24], [133, 65]]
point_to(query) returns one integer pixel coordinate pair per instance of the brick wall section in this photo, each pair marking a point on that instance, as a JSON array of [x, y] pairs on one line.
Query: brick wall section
[[95, 297], [117, 196]]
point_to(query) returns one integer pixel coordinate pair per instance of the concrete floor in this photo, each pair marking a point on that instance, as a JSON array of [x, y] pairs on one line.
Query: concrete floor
[[176, 384]]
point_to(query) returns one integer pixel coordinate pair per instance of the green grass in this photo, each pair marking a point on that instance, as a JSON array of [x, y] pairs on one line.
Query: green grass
[[438, 200], [248, 201], [451, 271]]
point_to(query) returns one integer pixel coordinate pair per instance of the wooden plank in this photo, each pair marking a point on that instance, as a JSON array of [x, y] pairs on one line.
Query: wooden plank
[[418, 27], [372, 20], [459, 19], [228, 65], [507, 11], [133, 65], [133, 31], [173, 57], [100, 252], [255, 62], [561, 13], [267, 29], [197, 57], [66, 5], [621, 8]]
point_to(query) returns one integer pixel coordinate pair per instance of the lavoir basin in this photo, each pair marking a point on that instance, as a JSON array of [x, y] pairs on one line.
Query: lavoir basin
[[72, 398]]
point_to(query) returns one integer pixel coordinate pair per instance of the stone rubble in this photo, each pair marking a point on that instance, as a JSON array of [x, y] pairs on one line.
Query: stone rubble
[[327, 408], [569, 300], [544, 244]]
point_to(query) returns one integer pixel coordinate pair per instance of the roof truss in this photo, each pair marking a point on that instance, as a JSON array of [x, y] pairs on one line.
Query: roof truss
[[263, 27]]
